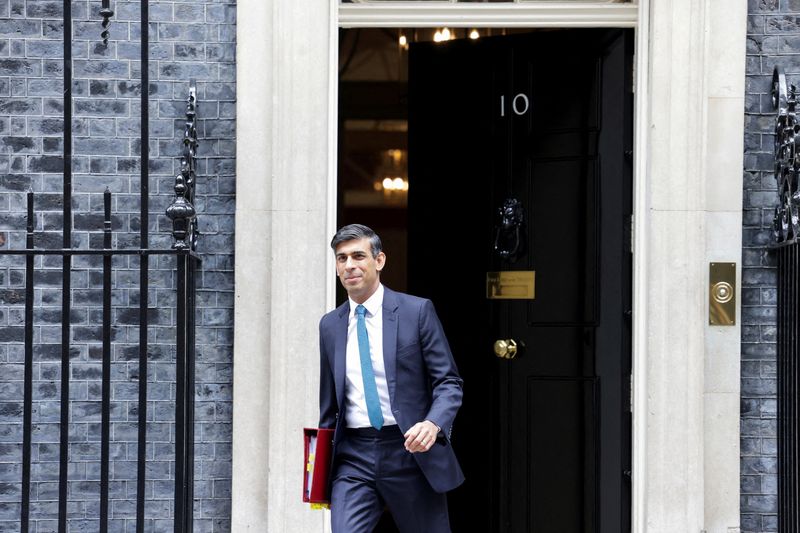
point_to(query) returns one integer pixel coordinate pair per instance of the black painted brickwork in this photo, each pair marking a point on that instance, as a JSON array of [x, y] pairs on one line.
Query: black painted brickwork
[[189, 38], [773, 37]]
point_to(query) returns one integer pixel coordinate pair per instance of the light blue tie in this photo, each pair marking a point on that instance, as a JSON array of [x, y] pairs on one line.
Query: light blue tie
[[367, 374]]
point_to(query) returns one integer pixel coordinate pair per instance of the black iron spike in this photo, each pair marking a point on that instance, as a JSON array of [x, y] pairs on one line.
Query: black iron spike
[[144, 260], [105, 423], [106, 12], [27, 427]]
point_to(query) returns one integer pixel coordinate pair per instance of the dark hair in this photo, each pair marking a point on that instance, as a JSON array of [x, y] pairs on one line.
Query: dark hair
[[353, 232]]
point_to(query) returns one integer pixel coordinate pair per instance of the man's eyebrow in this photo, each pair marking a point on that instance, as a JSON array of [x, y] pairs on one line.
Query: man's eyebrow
[[352, 252]]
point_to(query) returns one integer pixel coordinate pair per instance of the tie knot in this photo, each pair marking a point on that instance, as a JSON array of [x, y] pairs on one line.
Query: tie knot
[[361, 310]]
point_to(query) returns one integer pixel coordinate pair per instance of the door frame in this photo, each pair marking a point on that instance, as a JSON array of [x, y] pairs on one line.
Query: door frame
[[689, 126], [533, 15]]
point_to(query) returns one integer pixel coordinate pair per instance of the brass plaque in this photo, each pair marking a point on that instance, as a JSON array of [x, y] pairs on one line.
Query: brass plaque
[[511, 285], [722, 294]]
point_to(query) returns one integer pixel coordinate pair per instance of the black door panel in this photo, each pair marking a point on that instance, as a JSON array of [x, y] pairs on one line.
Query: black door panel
[[543, 118]]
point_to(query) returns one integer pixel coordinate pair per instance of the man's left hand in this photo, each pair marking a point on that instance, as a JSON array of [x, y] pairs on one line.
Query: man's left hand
[[421, 436]]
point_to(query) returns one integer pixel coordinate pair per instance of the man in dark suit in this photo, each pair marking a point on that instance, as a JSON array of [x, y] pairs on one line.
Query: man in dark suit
[[390, 388]]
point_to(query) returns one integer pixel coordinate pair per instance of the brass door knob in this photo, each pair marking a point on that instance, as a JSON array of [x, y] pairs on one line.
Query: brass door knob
[[505, 348]]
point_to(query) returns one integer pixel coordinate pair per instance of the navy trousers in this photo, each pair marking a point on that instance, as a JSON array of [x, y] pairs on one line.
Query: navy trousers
[[372, 469]]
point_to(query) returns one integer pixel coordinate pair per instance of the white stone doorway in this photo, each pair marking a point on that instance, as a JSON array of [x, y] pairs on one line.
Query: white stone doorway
[[689, 67]]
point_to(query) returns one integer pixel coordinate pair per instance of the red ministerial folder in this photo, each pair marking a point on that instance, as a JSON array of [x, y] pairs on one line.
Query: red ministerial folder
[[318, 455]]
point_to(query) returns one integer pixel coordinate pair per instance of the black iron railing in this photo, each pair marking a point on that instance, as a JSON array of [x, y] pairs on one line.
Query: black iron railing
[[788, 353], [182, 214], [786, 231]]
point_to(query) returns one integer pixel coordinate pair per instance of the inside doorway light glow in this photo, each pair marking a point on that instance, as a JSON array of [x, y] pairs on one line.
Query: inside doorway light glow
[[440, 35], [443, 35], [394, 184]]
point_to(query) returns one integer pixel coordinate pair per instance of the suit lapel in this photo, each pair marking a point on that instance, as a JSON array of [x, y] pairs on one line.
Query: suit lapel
[[390, 340], [340, 355]]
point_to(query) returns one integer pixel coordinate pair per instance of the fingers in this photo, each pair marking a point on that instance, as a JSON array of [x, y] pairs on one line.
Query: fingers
[[416, 440], [420, 437]]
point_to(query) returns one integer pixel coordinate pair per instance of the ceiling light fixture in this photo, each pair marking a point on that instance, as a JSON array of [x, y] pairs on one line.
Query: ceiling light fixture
[[394, 184]]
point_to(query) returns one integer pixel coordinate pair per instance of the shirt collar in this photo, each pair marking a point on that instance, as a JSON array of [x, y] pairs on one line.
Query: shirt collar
[[373, 303]]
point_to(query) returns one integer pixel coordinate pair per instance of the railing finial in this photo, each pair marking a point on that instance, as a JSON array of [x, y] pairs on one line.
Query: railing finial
[[106, 13], [182, 211]]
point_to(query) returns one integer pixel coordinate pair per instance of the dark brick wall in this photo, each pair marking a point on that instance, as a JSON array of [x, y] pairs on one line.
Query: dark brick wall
[[773, 37], [189, 38]]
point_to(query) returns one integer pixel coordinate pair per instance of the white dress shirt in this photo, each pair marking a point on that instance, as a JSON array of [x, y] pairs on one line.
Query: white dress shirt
[[355, 405]]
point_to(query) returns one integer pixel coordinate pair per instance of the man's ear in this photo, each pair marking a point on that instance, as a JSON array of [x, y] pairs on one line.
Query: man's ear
[[380, 259]]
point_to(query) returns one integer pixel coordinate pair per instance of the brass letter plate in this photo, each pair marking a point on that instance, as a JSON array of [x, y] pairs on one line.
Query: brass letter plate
[[722, 294], [513, 285]]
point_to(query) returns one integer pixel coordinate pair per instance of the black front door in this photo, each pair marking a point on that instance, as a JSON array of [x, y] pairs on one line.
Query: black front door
[[539, 123]]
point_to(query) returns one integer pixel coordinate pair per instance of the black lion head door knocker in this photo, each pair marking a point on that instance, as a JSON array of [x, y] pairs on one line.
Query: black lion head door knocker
[[510, 235]]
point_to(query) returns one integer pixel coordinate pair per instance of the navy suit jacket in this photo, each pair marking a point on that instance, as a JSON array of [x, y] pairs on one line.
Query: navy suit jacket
[[421, 374]]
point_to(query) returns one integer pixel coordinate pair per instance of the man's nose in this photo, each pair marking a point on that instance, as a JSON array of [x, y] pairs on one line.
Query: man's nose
[[349, 263]]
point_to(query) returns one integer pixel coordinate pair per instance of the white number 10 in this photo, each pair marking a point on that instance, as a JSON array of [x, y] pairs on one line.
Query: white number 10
[[519, 104]]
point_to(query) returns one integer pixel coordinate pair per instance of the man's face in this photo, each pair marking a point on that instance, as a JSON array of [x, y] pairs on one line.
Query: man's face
[[357, 269]]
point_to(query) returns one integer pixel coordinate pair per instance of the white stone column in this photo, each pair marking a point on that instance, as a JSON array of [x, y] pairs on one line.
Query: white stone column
[[726, 32], [694, 193], [282, 263], [675, 308]]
